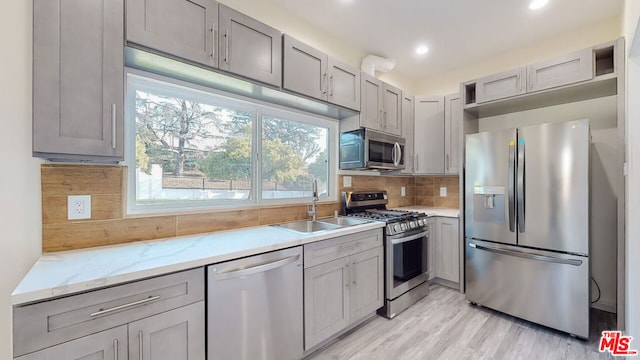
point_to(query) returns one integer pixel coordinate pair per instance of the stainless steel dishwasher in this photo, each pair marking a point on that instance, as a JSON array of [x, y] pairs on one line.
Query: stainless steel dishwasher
[[254, 307]]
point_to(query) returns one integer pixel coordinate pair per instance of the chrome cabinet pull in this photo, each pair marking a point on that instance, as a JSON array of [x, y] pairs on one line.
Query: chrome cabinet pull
[[113, 126], [140, 353], [324, 84], [121, 307], [331, 86], [115, 349], [213, 40], [226, 46]]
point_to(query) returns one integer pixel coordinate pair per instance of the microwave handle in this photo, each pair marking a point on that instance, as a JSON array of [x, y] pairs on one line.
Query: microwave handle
[[399, 157], [395, 156]]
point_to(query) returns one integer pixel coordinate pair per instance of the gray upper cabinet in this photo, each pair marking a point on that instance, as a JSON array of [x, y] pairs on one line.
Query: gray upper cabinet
[[502, 85], [249, 48], [392, 110], [562, 70], [452, 134], [343, 85], [106, 345], [429, 135], [305, 69], [371, 102], [408, 120], [184, 28], [311, 72], [380, 105], [78, 79]]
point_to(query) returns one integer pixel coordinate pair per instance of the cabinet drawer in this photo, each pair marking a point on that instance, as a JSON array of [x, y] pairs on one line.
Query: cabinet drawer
[[328, 250], [52, 322]]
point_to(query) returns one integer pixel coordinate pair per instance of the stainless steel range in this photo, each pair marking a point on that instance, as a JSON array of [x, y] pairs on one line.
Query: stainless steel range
[[406, 236]]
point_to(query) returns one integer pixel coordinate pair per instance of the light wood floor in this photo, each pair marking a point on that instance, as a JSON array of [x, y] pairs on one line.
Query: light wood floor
[[444, 325]]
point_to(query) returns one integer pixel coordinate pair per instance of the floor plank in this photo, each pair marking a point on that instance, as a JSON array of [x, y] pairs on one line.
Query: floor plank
[[445, 326]]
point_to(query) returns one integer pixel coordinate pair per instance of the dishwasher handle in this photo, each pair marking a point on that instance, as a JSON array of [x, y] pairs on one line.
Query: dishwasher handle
[[232, 274]]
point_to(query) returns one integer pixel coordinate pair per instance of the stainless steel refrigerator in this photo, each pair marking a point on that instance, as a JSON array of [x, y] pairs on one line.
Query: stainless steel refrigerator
[[527, 223]]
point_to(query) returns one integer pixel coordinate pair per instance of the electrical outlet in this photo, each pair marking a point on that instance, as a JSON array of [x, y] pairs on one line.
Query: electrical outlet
[[443, 191], [403, 191], [78, 207], [346, 181]]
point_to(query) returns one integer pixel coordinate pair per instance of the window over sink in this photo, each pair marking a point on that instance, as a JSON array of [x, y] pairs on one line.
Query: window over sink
[[192, 147]]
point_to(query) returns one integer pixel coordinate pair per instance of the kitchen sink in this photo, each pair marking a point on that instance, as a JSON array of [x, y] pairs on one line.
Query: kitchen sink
[[309, 226], [343, 221]]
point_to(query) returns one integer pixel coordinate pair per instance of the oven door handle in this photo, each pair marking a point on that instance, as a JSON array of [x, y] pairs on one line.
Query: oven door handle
[[409, 238]]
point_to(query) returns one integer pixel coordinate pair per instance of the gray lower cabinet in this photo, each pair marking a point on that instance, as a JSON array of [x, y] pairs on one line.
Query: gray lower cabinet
[[446, 247], [183, 28], [343, 283], [249, 48], [106, 345], [78, 79], [163, 316], [175, 334]]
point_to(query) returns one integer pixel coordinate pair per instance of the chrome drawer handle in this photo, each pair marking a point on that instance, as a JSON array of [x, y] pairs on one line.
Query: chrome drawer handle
[[120, 307]]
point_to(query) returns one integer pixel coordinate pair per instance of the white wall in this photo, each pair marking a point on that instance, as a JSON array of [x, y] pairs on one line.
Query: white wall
[[20, 213], [602, 113], [449, 82], [632, 34]]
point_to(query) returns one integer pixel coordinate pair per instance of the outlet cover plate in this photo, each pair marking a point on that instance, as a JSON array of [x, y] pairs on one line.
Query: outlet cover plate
[[443, 191], [346, 181], [403, 191], [78, 207]]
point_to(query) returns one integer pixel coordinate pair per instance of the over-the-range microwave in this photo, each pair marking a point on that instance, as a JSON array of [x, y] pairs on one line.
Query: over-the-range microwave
[[368, 149]]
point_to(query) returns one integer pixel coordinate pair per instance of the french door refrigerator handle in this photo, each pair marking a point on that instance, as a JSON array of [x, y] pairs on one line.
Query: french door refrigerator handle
[[520, 188], [526, 255], [512, 200]]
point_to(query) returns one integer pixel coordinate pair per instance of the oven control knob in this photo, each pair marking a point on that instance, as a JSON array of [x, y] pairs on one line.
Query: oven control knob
[[420, 222], [403, 226], [412, 224], [396, 228]]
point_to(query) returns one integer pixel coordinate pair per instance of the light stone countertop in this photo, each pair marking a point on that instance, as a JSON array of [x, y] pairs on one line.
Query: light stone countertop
[[434, 211], [67, 272]]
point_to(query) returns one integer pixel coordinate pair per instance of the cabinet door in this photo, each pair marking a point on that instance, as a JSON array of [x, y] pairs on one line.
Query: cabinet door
[[452, 134], [184, 28], [370, 102], [408, 120], [392, 110], [367, 287], [502, 85], [326, 301], [447, 249], [563, 70], [344, 84], [106, 345], [78, 79], [429, 135], [305, 69], [249, 48], [175, 334]]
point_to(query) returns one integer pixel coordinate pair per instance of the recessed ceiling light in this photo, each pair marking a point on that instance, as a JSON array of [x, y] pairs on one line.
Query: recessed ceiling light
[[422, 49], [537, 4]]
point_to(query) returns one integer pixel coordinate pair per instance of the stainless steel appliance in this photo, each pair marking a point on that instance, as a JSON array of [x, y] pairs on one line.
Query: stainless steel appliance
[[368, 149], [406, 237], [254, 307], [527, 223]]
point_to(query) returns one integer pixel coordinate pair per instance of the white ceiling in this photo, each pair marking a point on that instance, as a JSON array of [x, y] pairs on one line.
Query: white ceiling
[[457, 32]]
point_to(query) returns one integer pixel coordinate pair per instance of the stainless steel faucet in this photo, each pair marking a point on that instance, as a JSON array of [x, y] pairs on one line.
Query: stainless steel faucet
[[314, 210]]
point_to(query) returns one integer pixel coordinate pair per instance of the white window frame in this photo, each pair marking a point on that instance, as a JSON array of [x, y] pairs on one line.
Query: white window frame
[[145, 80]]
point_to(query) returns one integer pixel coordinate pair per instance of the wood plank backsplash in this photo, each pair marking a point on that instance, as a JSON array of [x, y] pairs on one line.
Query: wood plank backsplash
[[109, 223]]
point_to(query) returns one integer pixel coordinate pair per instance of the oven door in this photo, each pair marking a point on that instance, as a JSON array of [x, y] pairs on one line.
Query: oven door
[[406, 259]]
